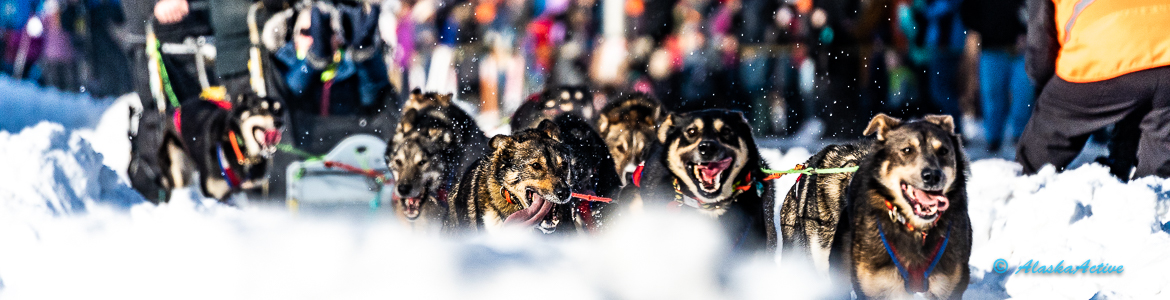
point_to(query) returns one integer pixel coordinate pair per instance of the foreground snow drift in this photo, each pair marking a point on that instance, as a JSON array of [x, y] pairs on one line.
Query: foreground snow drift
[[69, 229], [1082, 214]]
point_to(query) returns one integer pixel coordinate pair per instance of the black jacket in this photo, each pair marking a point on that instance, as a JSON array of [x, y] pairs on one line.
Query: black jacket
[[1043, 46]]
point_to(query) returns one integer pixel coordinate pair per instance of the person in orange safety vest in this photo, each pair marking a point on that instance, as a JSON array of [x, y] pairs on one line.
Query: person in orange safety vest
[[1099, 63]]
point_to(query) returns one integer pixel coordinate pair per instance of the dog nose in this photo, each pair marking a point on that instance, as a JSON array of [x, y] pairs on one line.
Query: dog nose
[[564, 194], [931, 176], [707, 148], [404, 189]]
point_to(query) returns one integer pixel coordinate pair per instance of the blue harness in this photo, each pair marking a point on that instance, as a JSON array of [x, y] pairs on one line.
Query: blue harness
[[916, 279]]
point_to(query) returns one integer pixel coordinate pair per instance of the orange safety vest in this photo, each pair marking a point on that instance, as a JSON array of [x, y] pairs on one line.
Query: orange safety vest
[[1103, 39]]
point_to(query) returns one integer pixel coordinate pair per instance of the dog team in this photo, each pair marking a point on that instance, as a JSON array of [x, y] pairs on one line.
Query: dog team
[[883, 218]]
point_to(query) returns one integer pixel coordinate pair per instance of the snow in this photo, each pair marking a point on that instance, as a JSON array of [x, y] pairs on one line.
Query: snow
[[1081, 214], [71, 228], [50, 170]]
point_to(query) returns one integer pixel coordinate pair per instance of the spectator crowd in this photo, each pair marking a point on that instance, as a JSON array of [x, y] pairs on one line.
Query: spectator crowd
[[783, 62]]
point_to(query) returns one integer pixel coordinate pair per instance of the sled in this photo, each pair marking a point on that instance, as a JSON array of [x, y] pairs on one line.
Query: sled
[[352, 175], [355, 138]]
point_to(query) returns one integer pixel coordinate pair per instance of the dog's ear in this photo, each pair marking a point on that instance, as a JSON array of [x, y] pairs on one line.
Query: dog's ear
[[414, 101], [408, 119], [945, 121], [444, 100], [880, 125], [550, 129], [602, 123], [742, 118], [664, 128], [501, 142]]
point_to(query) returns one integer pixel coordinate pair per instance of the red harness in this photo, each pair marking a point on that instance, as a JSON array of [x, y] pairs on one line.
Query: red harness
[[178, 116]]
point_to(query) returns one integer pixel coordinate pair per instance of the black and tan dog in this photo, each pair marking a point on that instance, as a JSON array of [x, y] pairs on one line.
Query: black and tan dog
[[628, 127], [591, 176], [902, 225], [812, 209], [230, 144], [433, 146], [551, 103], [419, 100], [519, 182], [708, 162]]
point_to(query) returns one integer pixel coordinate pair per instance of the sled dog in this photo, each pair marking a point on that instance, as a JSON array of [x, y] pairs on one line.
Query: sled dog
[[552, 102], [434, 146], [628, 126], [229, 144], [902, 228], [521, 179], [707, 162]]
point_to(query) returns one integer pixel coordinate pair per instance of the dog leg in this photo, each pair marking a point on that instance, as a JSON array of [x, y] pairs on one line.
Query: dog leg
[[215, 187], [173, 162], [943, 285], [880, 283]]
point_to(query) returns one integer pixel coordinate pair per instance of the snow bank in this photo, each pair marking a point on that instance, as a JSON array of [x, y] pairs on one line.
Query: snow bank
[[69, 229], [1082, 214], [68, 232], [50, 170]]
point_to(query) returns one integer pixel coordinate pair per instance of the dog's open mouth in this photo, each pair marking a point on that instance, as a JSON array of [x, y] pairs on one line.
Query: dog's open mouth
[[267, 138], [710, 174], [550, 221], [539, 212], [412, 206], [926, 204]]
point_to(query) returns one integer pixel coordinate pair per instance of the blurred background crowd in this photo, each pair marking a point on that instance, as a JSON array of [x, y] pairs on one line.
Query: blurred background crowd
[[785, 63]]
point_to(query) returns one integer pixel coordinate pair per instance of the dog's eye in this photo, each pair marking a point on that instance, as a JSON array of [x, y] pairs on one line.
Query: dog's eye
[[535, 166], [727, 134], [691, 132], [422, 162], [907, 150], [398, 162], [944, 151]]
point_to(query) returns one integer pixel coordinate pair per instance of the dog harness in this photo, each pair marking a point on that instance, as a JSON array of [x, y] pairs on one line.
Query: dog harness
[[177, 117], [228, 174], [915, 278]]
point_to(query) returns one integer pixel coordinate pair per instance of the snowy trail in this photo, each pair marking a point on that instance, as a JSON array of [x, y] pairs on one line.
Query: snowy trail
[[71, 228], [67, 222]]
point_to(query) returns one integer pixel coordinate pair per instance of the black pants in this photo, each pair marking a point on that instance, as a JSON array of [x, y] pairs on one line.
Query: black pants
[[1066, 113]]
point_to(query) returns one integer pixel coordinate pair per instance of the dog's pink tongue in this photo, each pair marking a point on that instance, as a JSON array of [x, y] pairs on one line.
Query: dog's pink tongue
[[272, 137], [931, 199], [710, 170], [532, 215]]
